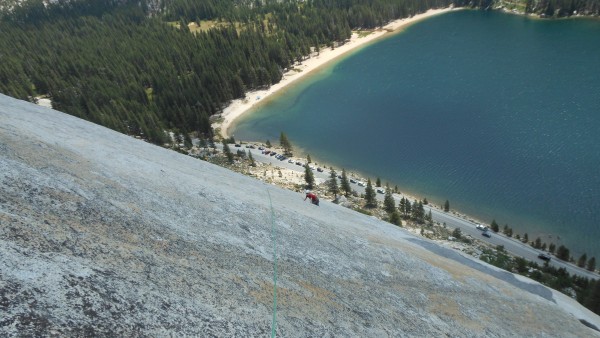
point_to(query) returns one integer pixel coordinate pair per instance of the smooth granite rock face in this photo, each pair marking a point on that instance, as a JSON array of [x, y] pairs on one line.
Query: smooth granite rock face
[[105, 235]]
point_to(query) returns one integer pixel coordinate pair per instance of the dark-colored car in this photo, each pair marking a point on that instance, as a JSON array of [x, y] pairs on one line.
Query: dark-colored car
[[544, 256], [486, 234]]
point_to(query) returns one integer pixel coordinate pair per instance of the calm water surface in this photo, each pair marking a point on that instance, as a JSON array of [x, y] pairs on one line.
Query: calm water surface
[[499, 114]]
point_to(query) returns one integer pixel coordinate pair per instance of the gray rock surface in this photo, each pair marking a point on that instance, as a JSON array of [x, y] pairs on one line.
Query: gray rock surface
[[105, 235]]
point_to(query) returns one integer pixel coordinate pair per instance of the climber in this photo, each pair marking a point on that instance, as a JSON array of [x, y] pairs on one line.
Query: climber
[[313, 198]]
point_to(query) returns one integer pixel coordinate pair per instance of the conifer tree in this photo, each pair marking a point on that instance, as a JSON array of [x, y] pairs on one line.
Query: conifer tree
[[395, 218], [388, 201], [402, 206], [286, 145], [593, 300], [591, 265], [345, 184], [582, 260], [494, 226], [429, 217], [525, 238], [562, 253], [408, 207], [370, 195], [309, 177], [332, 183], [308, 160], [418, 211], [447, 206], [268, 144], [227, 152], [378, 182], [551, 247]]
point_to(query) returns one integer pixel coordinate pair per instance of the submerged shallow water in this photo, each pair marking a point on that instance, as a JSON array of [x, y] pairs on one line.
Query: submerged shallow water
[[500, 114]]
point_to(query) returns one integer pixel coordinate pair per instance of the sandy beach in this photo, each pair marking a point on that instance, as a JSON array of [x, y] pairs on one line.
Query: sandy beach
[[299, 71]]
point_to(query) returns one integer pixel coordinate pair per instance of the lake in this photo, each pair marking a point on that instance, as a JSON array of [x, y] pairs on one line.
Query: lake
[[498, 113]]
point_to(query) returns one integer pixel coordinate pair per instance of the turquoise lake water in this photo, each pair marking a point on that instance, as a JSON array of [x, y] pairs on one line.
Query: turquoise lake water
[[499, 114]]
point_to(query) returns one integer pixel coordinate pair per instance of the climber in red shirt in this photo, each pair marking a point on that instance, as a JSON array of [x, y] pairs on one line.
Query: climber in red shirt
[[313, 198]]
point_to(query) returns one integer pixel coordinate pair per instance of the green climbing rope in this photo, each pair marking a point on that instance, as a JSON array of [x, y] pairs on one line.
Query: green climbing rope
[[274, 239]]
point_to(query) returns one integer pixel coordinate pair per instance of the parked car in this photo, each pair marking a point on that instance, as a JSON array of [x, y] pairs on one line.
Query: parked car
[[379, 190], [252, 147], [238, 145], [290, 161], [361, 184], [544, 256], [261, 148], [352, 180], [480, 227], [486, 234], [320, 170], [340, 177]]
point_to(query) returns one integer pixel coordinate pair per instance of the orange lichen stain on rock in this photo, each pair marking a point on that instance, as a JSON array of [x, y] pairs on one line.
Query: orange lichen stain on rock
[[447, 308], [312, 302]]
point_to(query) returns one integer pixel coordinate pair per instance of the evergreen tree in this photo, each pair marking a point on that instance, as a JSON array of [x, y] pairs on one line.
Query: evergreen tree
[[402, 206], [457, 233], [494, 226], [286, 145], [345, 184], [582, 261], [388, 202], [408, 208], [425, 201], [227, 152], [395, 218], [593, 300], [447, 206], [309, 177], [308, 160], [418, 212], [551, 248], [268, 144], [591, 265], [370, 195], [562, 253], [378, 182], [525, 238], [332, 184], [538, 243], [429, 217]]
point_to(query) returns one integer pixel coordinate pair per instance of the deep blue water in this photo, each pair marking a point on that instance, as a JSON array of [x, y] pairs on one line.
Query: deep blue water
[[499, 114]]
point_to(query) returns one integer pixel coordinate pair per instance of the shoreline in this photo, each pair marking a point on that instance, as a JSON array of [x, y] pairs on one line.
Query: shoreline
[[238, 107]]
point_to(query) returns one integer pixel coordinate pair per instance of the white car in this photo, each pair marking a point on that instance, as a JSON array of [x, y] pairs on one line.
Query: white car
[[480, 227]]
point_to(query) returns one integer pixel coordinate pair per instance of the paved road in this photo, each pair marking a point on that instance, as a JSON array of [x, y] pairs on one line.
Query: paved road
[[467, 227]]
